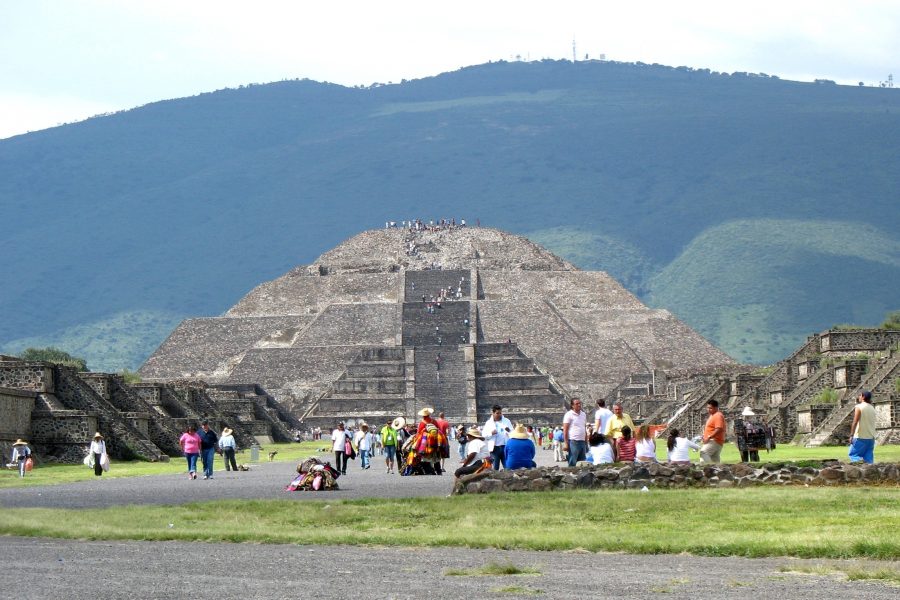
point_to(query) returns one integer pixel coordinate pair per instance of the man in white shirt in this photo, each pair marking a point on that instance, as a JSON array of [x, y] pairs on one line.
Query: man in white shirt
[[862, 431], [496, 431], [602, 416], [575, 432]]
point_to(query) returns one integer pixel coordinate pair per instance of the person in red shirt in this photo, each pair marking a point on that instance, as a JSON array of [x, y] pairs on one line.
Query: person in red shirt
[[425, 413], [713, 434]]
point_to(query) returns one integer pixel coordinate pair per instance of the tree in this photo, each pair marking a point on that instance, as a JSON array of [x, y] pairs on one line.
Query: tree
[[54, 355], [892, 320]]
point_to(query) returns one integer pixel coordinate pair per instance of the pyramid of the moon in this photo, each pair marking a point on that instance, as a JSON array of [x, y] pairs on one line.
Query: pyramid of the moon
[[396, 319]]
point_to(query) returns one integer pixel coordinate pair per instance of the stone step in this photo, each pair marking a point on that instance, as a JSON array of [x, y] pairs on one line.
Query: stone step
[[369, 370], [430, 283], [371, 386], [382, 354], [504, 365], [484, 351], [491, 383], [345, 406]]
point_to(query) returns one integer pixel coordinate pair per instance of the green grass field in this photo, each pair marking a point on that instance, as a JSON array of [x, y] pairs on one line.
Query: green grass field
[[848, 522]]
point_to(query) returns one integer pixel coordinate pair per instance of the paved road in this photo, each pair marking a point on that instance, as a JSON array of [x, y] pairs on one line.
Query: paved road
[[263, 481], [39, 569]]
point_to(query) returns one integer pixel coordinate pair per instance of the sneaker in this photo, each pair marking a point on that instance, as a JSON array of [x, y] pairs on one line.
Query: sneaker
[[206, 477]]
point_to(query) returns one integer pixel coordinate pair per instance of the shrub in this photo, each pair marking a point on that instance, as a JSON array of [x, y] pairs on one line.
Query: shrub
[[54, 355]]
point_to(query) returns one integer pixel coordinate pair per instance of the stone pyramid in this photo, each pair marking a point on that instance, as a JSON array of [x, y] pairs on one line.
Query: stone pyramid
[[357, 335]]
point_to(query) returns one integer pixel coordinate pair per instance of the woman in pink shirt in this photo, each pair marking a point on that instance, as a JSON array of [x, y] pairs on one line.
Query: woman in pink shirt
[[190, 445]]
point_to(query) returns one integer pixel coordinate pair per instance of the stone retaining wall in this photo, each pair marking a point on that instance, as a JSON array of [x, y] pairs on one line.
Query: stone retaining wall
[[631, 476]]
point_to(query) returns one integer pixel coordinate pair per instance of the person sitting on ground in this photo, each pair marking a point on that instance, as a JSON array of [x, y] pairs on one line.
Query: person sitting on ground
[[519, 451], [600, 452], [678, 448], [625, 450], [478, 458], [645, 446]]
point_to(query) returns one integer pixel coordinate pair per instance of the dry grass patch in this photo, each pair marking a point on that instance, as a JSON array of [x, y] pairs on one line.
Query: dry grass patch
[[492, 570]]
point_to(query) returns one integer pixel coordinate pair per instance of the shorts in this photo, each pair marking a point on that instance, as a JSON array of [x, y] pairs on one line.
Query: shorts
[[390, 452]]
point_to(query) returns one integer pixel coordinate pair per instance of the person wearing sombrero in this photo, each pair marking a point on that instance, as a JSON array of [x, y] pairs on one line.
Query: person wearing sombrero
[[478, 457], [425, 413], [519, 452], [228, 447], [389, 441], [98, 453], [20, 455]]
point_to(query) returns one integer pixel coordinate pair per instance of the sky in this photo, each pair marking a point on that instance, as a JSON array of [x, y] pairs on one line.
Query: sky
[[65, 60]]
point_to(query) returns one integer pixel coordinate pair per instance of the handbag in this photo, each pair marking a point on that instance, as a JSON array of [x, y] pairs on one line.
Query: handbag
[[29, 464], [104, 461], [349, 450], [89, 460]]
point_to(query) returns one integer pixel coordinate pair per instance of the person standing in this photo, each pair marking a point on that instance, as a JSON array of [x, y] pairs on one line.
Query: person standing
[[20, 455], [339, 439], [190, 445], [557, 444], [496, 431], [98, 453], [862, 431], [617, 422], [575, 432], [389, 443], [209, 440], [363, 445], [713, 434], [601, 416], [228, 448]]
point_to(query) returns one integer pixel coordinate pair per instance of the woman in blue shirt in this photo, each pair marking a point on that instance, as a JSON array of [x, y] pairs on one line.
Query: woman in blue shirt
[[519, 451]]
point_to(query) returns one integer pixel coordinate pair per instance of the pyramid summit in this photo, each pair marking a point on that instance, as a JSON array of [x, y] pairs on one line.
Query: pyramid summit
[[457, 318]]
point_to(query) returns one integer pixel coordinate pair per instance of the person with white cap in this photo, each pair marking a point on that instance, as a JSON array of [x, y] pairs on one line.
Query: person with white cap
[[98, 454], [749, 435], [228, 447], [20, 455]]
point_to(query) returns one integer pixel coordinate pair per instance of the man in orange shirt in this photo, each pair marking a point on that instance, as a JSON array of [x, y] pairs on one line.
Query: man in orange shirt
[[713, 434]]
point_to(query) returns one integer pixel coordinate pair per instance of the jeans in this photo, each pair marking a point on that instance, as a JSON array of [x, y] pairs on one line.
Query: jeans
[[364, 459], [207, 455], [497, 456], [462, 451], [230, 464], [577, 451], [22, 467], [191, 461], [390, 453], [98, 468]]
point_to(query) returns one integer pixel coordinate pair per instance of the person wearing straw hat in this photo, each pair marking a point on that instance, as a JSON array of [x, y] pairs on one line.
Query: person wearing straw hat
[[478, 457], [425, 413], [228, 447], [519, 452], [362, 441], [20, 454], [98, 453]]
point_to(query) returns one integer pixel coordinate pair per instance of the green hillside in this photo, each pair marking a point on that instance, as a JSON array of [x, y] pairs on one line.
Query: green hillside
[[178, 208]]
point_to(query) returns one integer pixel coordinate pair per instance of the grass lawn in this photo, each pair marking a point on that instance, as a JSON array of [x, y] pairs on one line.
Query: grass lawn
[[815, 522]]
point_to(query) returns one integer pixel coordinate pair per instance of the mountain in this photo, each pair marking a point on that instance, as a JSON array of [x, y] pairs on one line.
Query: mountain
[[735, 201]]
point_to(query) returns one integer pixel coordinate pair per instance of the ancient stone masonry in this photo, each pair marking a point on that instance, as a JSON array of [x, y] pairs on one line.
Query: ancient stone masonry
[[808, 397], [58, 410], [653, 475], [304, 336]]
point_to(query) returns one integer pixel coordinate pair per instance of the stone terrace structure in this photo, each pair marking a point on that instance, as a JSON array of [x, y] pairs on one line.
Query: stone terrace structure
[[808, 397], [351, 337], [58, 409]]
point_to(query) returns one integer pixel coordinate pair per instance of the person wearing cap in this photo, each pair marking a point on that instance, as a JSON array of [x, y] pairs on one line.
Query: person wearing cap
[[519, 452], [339, 439], [750, 436], [20, 454], [228, 447], [713, 434], [362, 441], [478, 456], [862, 431], [389, 443], [98, 453], [496, 432], [208, 441]]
